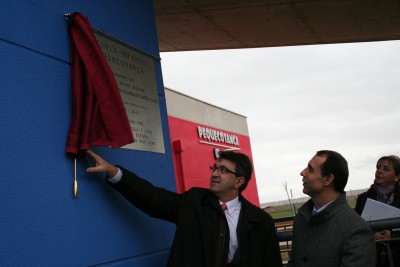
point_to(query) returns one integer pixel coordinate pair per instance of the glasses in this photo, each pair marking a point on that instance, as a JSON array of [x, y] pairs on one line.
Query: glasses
[[222, 170]]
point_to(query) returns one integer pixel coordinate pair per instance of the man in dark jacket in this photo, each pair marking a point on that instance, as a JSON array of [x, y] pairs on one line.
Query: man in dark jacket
[[214, 227], [326, 231]]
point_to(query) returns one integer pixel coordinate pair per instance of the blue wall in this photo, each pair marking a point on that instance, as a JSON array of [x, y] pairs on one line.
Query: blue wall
[[41, 224]]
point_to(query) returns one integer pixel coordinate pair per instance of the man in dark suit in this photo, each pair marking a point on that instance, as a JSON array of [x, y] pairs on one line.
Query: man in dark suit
[[207, 234]]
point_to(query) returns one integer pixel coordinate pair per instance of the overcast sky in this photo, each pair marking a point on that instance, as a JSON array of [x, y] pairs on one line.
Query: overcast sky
[[298, 100]]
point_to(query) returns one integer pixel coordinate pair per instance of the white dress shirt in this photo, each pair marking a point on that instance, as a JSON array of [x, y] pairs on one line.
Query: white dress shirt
[[232, 216], [116, 178]]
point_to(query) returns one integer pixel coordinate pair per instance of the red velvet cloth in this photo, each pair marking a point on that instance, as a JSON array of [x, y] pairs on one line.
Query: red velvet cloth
[[98, 114]]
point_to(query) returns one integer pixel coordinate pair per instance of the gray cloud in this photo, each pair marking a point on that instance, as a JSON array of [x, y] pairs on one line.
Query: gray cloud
[[299, 100]]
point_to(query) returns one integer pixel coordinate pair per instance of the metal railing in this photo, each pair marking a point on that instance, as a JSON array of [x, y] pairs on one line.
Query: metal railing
[[284, 231]]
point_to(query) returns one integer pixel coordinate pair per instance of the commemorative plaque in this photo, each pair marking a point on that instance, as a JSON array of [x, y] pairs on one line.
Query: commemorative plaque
[[135, 75]]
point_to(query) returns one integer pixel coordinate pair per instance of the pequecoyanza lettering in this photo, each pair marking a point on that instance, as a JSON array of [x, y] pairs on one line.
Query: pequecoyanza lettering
[[217, 136]]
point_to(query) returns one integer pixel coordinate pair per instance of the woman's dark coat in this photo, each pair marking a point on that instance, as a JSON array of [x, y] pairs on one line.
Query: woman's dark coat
[[382, 260]]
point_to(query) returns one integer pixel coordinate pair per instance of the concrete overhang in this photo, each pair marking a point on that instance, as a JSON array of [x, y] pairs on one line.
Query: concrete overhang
[[189, 25]]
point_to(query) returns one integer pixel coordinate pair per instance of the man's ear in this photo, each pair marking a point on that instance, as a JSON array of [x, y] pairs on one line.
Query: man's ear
[[329, 179], [239, 182]]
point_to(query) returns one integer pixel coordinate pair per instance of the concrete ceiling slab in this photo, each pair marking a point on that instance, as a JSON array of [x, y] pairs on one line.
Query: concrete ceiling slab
[[188, 25]]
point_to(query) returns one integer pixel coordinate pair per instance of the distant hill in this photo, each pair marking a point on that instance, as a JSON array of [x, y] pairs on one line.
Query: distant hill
[[349, 194]]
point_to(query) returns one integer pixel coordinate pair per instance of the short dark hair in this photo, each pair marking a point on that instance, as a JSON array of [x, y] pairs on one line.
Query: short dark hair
[[244, 167], [336, 165], [394, 160]]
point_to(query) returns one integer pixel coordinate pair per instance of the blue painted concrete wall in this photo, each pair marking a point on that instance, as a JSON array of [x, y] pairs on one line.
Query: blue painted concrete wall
[[41, 224]]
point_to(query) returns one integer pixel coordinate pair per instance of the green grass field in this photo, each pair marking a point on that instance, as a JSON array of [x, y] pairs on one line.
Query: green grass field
[[281, 214], [285, 210]]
